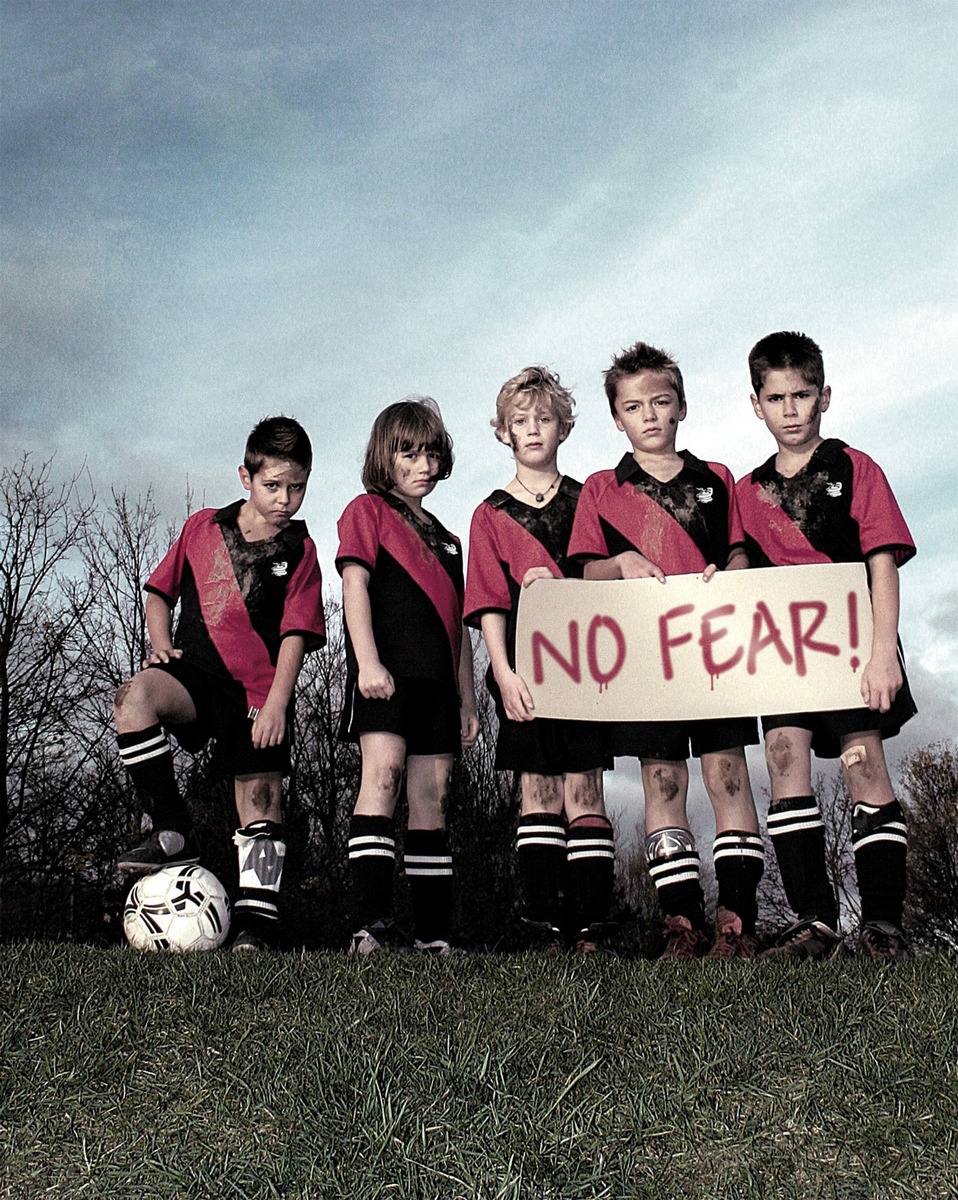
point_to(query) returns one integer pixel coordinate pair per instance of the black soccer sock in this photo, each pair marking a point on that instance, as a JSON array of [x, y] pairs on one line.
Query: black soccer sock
[[880, 842], [428, 866], [798, 835], [674, 866], [148, 758], [260, 850], [372, 859], [739, 859], [541, 852], [591, 870]]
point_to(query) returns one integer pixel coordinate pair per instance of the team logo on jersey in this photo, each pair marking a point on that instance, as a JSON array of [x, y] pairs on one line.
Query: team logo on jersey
[[834, 490], [450, 547], [279, 569], [705, 495]]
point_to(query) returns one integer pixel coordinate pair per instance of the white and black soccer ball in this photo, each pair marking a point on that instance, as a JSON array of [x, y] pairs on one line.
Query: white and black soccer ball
[[177, 908]]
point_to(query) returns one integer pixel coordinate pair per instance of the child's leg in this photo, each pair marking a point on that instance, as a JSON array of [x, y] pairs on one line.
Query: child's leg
[[541, 851], [795, 826], [427, 861], [669, 844], [261, 851], [737, 851], [372, 842], [142, 706], [879, 832], [591, 853]]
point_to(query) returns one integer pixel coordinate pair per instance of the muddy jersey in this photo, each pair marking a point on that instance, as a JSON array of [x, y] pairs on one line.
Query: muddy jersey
[[682, 526], [415, 586], [838, 508], [506, 539], [239, 599]]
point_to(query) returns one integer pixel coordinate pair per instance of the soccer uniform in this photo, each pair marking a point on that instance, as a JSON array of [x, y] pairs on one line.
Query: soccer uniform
[[415, 596], [238, 600], [506, 539], [839, 508], [682, 526]]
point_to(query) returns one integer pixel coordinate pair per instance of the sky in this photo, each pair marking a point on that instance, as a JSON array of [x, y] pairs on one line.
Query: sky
[[213, 213]]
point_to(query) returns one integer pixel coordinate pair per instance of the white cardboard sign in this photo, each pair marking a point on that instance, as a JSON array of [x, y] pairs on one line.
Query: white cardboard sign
[[747, 643]]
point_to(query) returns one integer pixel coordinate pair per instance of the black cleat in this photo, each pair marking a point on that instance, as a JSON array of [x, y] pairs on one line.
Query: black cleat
[[162, 848]]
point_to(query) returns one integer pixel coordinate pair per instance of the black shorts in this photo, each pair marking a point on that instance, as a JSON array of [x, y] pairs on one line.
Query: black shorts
[[423, 712], [222, 713], [669, 741], [828, 728], [546, 746]]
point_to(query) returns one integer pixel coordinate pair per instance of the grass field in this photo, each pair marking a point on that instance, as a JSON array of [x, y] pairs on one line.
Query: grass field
[[132, 1076]]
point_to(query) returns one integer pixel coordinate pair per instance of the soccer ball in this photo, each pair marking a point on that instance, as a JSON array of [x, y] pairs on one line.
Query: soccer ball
[[178, 908]]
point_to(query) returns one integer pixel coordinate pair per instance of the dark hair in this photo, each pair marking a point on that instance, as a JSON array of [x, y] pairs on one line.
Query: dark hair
[[638, 358], [278, 437], [414, 423], [783, 351]]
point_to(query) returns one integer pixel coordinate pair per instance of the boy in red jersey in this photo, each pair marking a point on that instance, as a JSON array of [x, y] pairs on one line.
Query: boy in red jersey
[[564, 842], [250, 593], [661, 512], [819, 501]]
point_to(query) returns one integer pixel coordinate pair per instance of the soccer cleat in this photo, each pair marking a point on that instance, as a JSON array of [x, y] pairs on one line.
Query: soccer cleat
[[439, 948], [542, 935], [380, 935], [806, 939], [245, 941], [593, 941], [682, 940], [882, 941], [730, 941], [163, 848]]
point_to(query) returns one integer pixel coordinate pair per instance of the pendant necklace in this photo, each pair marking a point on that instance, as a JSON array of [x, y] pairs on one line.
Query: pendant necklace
[[538, 496]]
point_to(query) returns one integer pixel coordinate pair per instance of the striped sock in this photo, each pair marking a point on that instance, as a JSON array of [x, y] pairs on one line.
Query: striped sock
[[739, 859], [372, 858], [880, 843], [261, 851], [591, 870], [428, 866], [541, 851], [798, 835], [674, 868], [148, 757]]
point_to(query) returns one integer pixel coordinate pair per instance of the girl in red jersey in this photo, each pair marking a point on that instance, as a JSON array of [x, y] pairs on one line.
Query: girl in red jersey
[[520, 533], [410, 701]]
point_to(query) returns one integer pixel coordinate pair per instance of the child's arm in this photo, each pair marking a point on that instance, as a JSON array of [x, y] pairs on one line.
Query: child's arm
[[881, 678], [516, 698], [269, 724], [630, 564], [375, 682], [468, 717], [159, 628]]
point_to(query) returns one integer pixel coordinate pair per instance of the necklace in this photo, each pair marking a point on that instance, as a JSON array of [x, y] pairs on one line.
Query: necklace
[[538, 496]]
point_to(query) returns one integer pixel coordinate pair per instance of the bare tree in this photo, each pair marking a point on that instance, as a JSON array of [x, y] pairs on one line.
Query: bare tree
[[930, 778]]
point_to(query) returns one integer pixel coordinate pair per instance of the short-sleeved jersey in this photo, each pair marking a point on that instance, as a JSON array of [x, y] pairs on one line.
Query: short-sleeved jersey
[[682, 526], [506, 539], [415, 586], [839, 508], [239, 599]]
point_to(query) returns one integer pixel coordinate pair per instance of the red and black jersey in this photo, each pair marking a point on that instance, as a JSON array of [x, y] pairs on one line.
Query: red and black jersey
[[838, 508], [682, 526], [239, 599], [415, 585], [506, 539]]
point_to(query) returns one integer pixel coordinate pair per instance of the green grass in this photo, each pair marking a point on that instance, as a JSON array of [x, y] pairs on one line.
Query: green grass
[[134, 1076]]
